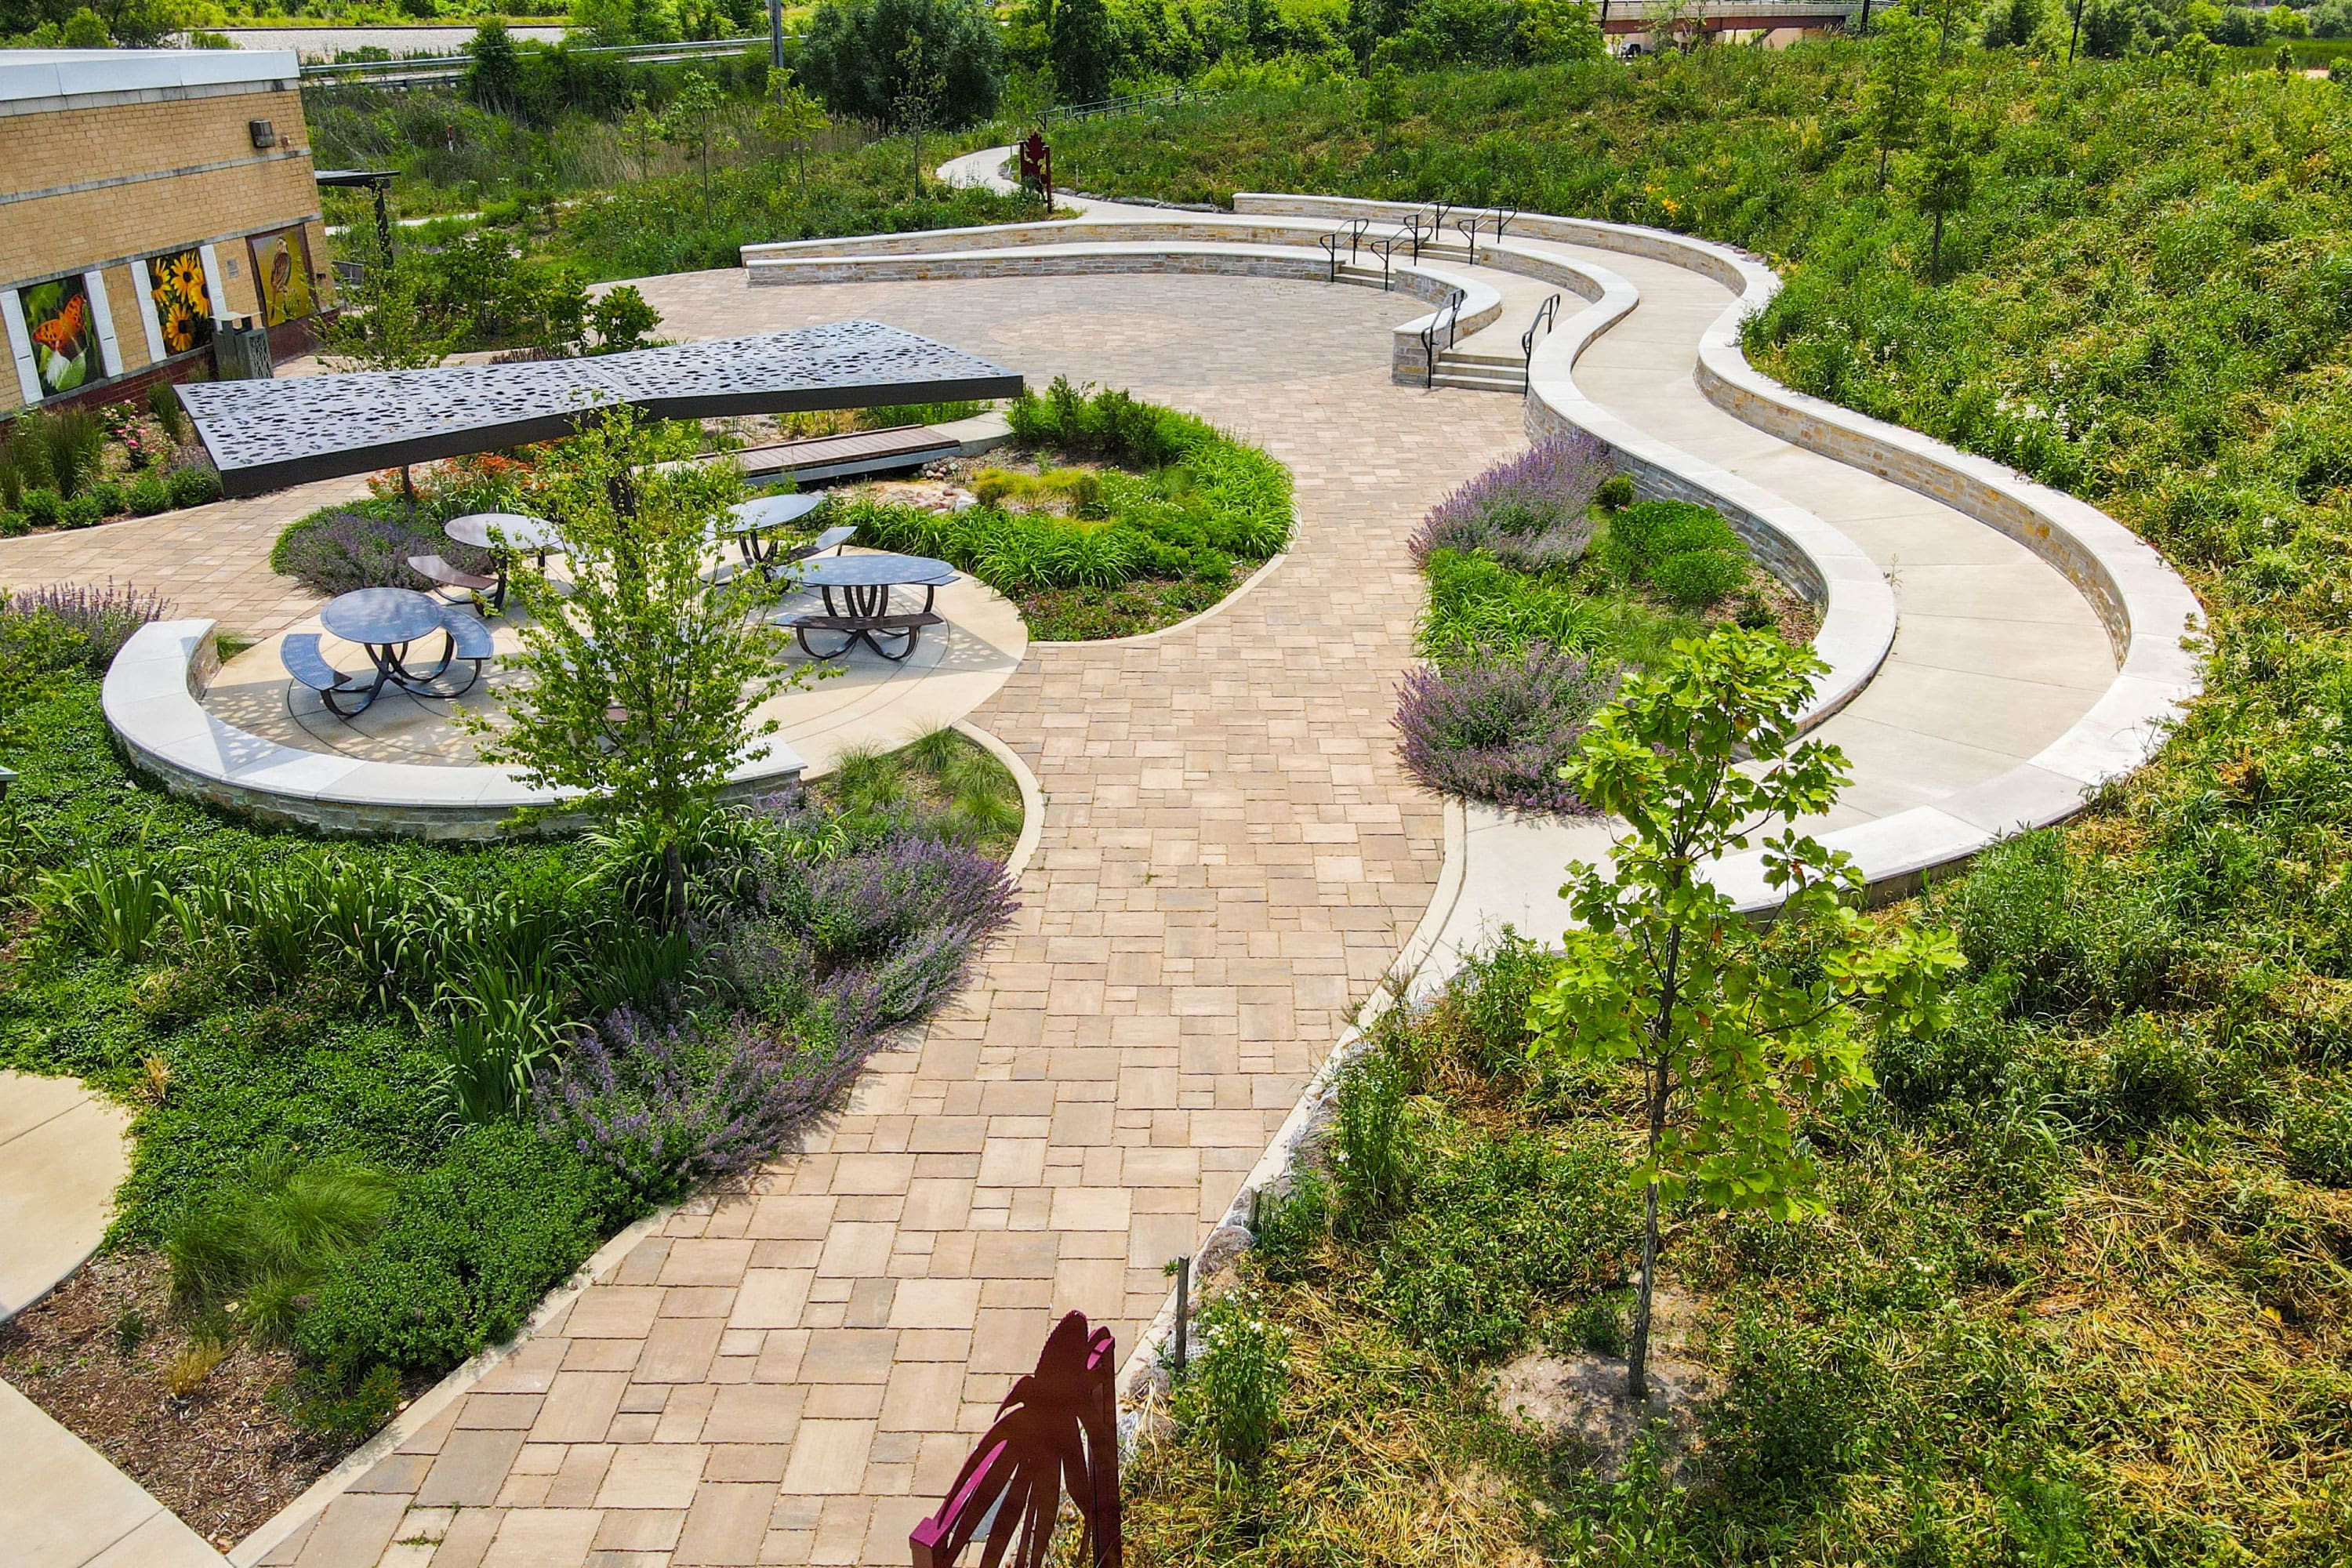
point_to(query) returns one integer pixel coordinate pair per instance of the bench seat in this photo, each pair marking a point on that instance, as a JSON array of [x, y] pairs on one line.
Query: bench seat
[[470, 586]]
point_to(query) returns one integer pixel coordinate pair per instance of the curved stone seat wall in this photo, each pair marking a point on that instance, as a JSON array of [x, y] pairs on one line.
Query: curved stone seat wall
[[153, 701], [968, 257]]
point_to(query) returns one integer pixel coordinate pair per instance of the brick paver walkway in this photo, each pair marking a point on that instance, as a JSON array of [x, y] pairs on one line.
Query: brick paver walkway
[[1230, 859], [209, 561]]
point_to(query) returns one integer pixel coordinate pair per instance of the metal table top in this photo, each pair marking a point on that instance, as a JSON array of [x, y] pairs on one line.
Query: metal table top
[[763, 513], [521, 532], [878, 571], [381, 618]]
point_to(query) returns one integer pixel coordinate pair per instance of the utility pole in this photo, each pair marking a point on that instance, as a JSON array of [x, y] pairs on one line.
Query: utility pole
[[776, 34], [2076, 33], [1864, 28]]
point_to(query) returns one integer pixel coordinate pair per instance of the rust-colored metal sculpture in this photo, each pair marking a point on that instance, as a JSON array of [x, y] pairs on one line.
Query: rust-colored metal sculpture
[[1057, 1429], [1037, 167]]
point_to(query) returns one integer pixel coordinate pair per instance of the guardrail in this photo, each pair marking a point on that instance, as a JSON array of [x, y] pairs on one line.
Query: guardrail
[[418, 70]]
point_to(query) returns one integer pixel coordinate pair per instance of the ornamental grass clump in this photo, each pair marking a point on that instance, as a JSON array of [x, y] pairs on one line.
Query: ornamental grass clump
[[1499, 730], [1529, 513]]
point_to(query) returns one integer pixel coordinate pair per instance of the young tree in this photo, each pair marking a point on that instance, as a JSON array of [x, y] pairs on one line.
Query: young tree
[[693, 125], [916, 106], [391, 318], [1896, 86], [642, 678], [1664, 973], [641, 133], [796, 119], [1946, 182]]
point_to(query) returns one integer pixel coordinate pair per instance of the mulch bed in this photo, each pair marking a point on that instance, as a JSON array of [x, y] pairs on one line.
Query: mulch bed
[[224, 1459]]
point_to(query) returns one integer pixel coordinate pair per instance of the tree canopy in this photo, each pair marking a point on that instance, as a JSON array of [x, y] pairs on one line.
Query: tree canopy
[[862, 59]]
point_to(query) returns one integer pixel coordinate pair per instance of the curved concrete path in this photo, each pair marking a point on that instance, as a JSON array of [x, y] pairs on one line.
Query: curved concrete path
[[63, 1152]]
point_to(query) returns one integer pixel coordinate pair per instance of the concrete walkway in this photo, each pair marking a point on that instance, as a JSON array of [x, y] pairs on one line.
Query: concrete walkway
[[62, 1153]]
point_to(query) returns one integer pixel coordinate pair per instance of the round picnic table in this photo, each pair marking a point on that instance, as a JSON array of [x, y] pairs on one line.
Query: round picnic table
[[863, 612], [385, 621], [752, 523], [525, 535]]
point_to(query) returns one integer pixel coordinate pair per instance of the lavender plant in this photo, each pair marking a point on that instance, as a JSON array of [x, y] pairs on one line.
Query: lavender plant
[[1499, 729], [1531, 507], [100, 620]]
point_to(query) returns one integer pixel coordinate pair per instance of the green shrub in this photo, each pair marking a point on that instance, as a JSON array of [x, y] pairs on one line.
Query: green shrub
[[1235, 1388], [1697, 578], [105, 907], [350, 1415], [192, 486], [13, 524], [2316, 1135], [1616, 492], [81, 511], [41, 505], [1499, 1233], [2077, 935], [474, 1241], [1644, 536], [1788, 1420], [148, 494]]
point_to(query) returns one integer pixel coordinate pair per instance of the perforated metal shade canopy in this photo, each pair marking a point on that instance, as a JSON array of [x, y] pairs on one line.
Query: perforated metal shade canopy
[[265, 434]]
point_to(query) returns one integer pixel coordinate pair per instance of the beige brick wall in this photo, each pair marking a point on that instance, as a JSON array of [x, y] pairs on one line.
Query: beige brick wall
[[151, 208]]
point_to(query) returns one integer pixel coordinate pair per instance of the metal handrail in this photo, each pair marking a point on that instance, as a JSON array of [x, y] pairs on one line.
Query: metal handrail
[[1352, 231], [1504, 216], [1176, 96], [1411, 228], [1448, 315], [1547, 317], [1467, 228], [1387, 248]]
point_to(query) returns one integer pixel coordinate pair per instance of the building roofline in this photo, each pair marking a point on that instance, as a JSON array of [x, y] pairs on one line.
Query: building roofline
[[32, 76]]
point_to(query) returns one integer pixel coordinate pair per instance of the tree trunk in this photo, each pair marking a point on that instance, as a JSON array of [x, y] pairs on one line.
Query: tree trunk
[[674, 879], [1637, 1349], [1883, 148]]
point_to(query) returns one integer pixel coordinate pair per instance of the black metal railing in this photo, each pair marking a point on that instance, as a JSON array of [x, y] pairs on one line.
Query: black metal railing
[[1349, 233], [1386, 249], [1503, 216], [1171, 97], [1467, 227], [1447, 318], [1547, 318], [1418, 230]]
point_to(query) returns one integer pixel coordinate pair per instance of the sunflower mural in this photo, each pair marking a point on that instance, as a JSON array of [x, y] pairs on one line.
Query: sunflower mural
[[282, 271], [184, 306], [65, 338]]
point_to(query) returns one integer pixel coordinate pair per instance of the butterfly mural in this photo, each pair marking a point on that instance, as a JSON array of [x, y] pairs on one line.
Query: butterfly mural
[[65, 339], [184, 306]]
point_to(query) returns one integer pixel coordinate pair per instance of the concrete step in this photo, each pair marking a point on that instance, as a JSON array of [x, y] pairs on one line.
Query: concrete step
[[1479, 381], [1489, 358]]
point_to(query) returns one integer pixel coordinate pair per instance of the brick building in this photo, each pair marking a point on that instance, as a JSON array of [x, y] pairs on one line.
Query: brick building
[[146, 194]]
